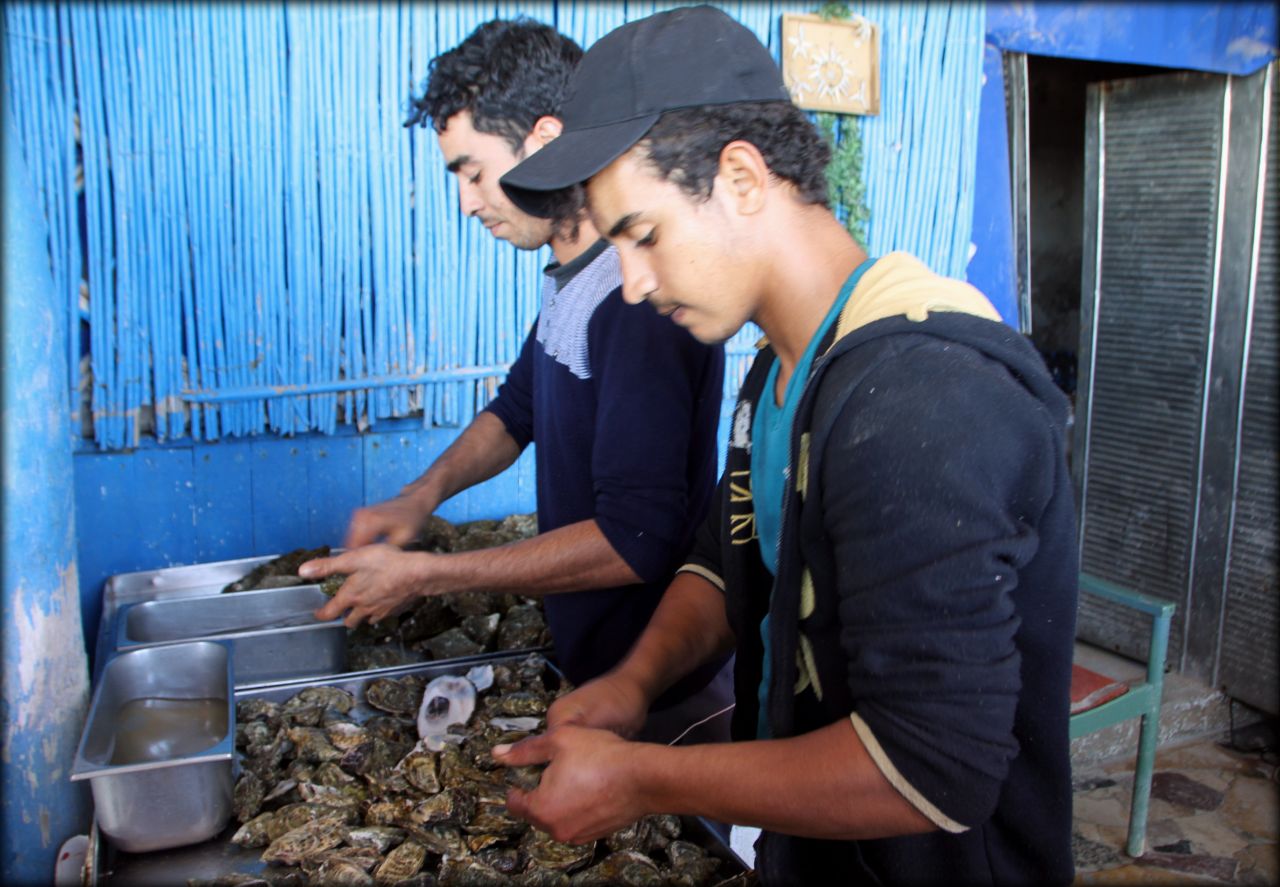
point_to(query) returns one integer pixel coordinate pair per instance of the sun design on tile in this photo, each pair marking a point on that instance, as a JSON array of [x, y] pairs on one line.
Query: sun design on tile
[[829, 74]]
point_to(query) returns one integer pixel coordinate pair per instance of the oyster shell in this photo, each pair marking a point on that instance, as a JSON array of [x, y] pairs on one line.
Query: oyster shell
[[312, 744], [506, 860], [403, 862], [694, 865], [419, 769], [391, 696], [446, 701], [519, 704], [482, 629], [285, 565], [256, 710], [545, 852], [306, 840], [453, 805], [535, 877], [476, 539], [437, 534], [470, 873], [293, 816], [380, 837], [325, 697], [364, 858], [442, 840], [451, 644], [340, 872], [345, 735], [623, 868], [255, 832], [493, 819], [247, 797], [522, 626]]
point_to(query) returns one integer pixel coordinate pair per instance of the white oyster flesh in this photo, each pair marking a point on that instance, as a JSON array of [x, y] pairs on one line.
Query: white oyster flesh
[[448, 700], [482, 677]]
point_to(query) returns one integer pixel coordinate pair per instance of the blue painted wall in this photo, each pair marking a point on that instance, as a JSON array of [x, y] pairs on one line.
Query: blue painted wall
[[1225, 38], [991, 267], [46, 678]]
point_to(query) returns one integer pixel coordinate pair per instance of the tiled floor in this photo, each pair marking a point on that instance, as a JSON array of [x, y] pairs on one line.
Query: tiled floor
[[1214, 818]]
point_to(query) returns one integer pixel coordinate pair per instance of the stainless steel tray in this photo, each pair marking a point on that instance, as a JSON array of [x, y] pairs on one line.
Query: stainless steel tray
[[218, 857], [173, 785], [206, 580], [167, 583], [273, 632]]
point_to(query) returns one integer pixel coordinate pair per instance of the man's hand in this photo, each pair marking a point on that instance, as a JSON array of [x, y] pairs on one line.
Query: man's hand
[[610, 702], [397, 520], [381, 581], [588, 789]]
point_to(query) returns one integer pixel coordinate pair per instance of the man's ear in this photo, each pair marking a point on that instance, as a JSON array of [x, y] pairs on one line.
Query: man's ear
[[545, 129], [744, 175]]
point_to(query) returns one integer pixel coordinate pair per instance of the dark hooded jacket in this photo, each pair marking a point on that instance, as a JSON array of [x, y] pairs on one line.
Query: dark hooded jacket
[[926, 589]]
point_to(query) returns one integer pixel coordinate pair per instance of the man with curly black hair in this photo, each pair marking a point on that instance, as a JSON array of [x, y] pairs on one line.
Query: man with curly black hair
[[623, 405], [892, 549]]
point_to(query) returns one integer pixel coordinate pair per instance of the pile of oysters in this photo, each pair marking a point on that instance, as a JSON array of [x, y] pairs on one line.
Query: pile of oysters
[[399, 787], [441, 627]]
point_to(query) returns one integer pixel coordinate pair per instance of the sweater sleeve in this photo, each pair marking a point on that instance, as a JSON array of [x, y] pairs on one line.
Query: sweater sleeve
[[704, 558], [932, 483], [513, 404], [649, 376]]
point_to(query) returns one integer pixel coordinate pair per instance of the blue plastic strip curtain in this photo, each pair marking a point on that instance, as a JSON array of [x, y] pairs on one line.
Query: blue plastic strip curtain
[[255, 219], [37, 75]]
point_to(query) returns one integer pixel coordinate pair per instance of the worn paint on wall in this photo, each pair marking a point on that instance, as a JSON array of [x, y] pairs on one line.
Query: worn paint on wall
[[46, 680], [46, 700]]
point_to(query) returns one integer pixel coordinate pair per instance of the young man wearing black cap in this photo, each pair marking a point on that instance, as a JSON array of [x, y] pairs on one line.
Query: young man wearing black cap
[[892, 547], [623, 407]]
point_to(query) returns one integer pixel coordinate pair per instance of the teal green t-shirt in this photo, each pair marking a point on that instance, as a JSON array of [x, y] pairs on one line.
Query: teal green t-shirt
[[771, 458]]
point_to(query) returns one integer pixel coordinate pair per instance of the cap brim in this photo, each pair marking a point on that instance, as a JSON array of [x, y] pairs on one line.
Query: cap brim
[[573, 157]]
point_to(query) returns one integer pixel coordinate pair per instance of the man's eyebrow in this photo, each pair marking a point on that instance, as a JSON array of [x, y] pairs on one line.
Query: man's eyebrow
[[623, 224], [458, 163]]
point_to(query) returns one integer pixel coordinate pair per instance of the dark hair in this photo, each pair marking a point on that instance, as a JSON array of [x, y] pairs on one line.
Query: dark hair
[[506, 73], [684, 146]]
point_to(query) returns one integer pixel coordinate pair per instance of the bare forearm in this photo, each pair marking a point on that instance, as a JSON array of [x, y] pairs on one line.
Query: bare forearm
[[573, 558], [482, 450], [688, 628], [822, 784]]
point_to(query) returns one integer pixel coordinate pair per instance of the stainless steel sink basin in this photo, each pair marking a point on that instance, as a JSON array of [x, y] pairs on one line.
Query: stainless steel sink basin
[[158, 745], [273, 633]]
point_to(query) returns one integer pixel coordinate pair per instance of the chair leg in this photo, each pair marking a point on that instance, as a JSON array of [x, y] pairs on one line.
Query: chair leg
[[1147, 738]]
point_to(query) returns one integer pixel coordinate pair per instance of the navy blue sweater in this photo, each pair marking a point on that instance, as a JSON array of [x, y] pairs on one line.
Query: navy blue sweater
[[623, 405], [938, 531]]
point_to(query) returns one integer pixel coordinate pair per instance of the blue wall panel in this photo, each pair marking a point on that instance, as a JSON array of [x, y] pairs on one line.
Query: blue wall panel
[[1226, 38], [335, 486], [393, 460], [279, 497], [135, 512], [991, 267], [223, 519]]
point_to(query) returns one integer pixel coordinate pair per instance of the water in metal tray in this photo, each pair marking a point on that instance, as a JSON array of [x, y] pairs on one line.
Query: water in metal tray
[[157, 728]]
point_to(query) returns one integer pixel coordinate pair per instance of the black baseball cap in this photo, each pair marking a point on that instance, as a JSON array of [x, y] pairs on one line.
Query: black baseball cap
[[683, 58]]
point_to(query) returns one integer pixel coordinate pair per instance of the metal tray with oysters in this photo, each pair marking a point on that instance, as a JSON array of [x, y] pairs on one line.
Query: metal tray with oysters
[[386, 778], [444, 627]]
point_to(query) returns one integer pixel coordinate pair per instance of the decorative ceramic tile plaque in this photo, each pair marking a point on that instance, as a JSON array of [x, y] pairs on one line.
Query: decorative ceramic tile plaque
[[832, 65]]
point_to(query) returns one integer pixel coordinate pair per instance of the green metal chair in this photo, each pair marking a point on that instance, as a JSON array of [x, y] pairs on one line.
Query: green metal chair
[[1141, 699]]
